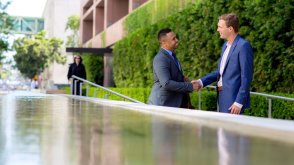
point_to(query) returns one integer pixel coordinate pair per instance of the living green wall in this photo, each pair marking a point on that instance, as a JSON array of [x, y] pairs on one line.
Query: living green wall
[[94, 67], [268, 25], [154, 11]]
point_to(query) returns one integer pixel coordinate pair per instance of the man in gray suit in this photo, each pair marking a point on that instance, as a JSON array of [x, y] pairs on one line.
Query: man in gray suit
[[170, 87]]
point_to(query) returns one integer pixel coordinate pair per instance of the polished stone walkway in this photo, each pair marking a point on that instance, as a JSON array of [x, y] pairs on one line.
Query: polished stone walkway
[[39, 129]]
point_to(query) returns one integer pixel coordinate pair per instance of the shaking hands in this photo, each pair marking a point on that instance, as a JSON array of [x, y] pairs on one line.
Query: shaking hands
[[196, 85]]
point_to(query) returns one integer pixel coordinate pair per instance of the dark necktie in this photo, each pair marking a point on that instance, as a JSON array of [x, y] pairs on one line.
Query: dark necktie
[[177, 61]]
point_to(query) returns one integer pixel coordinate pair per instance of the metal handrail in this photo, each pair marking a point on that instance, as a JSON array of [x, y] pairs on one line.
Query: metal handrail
[[268, 96], [106, 89]]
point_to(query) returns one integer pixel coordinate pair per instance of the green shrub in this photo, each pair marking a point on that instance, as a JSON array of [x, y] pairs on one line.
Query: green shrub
[[94, 68], [258, 106]]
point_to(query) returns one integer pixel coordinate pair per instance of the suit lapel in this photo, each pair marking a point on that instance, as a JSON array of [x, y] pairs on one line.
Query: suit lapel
[[232, 50], [170, 57]]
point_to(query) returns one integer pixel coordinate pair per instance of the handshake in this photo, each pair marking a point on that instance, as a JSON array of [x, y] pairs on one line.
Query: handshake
[[196, 85]]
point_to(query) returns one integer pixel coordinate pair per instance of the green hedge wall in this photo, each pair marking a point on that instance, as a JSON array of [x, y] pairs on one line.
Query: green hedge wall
[[268, 25], [94, 68], [280, 109], [154, 11]]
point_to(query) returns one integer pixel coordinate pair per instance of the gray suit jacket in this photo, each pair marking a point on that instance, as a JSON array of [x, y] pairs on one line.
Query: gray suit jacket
[[169, 87]]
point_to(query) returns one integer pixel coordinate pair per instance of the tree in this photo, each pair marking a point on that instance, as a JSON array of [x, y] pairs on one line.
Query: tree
[[73, 24], [36, 53], [5, 26]]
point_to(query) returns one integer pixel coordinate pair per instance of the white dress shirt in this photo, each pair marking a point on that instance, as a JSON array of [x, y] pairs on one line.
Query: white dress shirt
[[223, 64]]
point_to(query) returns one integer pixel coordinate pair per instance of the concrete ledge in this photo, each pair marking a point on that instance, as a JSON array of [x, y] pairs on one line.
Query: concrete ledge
[[275, 129], [55, 91]]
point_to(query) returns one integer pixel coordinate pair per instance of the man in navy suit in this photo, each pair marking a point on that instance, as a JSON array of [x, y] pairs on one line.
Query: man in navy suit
[[235, 69], [170, 87]]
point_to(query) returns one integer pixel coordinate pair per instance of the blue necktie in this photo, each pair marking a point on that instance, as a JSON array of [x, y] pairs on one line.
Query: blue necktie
[[177, 61]]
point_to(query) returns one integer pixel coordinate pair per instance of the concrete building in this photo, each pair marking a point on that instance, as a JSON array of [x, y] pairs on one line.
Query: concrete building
[[56, 13]]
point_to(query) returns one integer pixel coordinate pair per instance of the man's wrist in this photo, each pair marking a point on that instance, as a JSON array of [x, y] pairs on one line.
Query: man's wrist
[[238, 105]]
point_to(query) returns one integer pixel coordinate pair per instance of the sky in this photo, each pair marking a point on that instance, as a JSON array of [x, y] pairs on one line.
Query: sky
[[27, 8]]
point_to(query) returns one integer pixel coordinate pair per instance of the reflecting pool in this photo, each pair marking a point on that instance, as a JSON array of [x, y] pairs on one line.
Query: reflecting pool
[[38, 129]]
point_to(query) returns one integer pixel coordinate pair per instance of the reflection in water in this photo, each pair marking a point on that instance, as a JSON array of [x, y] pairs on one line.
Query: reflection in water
[[20, 145], [181, 143], [63, 131], [164, 141], [233, 148]]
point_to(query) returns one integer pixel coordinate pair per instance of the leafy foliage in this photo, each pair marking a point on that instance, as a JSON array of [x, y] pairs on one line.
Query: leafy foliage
[[36, 53], [73, 24], [268, 25], [94, 68], [153, 12], [5, 26]]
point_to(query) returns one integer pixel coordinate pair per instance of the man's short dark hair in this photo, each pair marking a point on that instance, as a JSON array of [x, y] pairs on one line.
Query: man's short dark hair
[[163, 33]]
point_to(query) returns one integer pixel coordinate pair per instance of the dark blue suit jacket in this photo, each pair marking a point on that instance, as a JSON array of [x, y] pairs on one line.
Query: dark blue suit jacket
[[237, 75]]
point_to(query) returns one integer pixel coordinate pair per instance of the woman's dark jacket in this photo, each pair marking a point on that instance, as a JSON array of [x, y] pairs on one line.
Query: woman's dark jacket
[[77, 70]]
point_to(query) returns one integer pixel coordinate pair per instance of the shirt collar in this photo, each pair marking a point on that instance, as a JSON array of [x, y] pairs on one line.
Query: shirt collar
[[168, 51], [228, 45]]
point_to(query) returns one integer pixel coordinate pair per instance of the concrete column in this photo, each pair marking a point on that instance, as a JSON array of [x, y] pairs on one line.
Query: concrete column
[[130, 6], [108, 74]]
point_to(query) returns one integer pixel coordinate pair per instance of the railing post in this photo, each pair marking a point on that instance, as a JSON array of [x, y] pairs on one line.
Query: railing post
[[75, 87], [106, 96], [199, 100], [81, 90], [95, 93], [87, 90], [71, 86], [269, 108]]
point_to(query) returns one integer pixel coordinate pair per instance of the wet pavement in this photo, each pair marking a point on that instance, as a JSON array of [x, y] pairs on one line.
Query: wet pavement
[[37, 129]]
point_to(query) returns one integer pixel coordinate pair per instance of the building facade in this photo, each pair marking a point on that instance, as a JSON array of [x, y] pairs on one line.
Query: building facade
[[104, 15]]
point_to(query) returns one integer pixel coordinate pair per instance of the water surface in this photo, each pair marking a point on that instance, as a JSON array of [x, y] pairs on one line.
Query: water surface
[[56, 130]]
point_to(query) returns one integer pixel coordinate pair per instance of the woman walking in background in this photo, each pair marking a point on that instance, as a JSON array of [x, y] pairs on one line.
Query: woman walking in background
[[78, 69]]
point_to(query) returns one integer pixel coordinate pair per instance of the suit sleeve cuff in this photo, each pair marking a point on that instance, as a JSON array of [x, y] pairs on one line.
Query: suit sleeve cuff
[[201, 83], [238, 105]]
